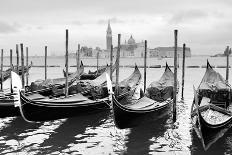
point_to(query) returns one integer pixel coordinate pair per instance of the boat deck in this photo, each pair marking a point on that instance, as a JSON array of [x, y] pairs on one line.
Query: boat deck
[[146, 103]]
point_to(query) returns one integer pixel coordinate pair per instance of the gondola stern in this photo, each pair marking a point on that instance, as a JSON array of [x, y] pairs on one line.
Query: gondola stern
[[167, 67], [208, 65]]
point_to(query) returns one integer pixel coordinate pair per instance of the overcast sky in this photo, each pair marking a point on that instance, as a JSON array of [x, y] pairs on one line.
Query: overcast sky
[[204, 25]]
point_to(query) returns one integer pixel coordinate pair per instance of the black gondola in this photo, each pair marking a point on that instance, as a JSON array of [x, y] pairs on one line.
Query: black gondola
[[35, 107], [6, 73], [129, 111], [211, 113], [90, 75], [46, 85]]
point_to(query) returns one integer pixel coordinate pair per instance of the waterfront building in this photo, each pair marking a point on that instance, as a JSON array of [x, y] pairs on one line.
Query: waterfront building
[[168, 52]]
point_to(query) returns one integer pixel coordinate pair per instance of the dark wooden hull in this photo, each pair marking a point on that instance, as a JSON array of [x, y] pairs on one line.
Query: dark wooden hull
[[7, 109], [125, 117], [39, 111], [207, 132]]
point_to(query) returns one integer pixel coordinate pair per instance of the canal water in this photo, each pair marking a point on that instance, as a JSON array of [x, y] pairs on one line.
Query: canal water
[[97, 134]]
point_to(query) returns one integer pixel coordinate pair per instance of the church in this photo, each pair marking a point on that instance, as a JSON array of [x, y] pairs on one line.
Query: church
[[129, 49]]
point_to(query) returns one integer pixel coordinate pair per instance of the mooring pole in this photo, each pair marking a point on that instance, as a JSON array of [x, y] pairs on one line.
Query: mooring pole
[[117, 66], [11, 64], [66, 64], [175, 76], [78, 60], [17, 57], [97, 61], [22, 65], [27, 69], [145, 66], [227, 62], [183, 72], [2, 69], [111, 62], [45, 63]]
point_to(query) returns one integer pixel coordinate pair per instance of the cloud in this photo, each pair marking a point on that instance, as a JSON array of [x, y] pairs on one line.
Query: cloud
[[114, 20], [8, 28], [187, 16], [77, 22]]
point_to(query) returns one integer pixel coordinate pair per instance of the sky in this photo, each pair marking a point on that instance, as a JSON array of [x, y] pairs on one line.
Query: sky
[[203, 25]]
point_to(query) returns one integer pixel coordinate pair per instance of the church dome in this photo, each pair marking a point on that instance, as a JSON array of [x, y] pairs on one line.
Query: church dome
[[131, 40]]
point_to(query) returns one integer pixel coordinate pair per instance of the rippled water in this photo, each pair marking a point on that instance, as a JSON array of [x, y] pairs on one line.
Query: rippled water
[[97, 134]]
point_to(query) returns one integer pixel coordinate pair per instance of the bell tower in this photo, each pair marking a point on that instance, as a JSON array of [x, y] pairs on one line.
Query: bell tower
[[108, 37]]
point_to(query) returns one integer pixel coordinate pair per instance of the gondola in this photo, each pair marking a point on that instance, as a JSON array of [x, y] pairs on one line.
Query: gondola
[[7, 108], [26, 68], [90, 75], [46, 86], [133, 109], [6, 73], [36, 107], [211, 113]]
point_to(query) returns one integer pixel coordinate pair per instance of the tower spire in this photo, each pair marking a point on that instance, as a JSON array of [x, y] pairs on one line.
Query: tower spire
[[109, 28], [108, 36]]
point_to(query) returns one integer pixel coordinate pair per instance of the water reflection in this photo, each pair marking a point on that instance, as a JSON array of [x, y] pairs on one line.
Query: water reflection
[[10, 139], [21, 137], [140, 138], [216, 143], [73, 132]]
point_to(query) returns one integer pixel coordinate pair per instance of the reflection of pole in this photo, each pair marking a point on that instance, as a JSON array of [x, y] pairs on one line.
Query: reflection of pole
[[183, 69], [227, 62], [175, 76]]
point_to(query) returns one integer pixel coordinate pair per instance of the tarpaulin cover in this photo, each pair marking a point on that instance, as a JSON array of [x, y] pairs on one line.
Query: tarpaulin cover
[[162, 89]]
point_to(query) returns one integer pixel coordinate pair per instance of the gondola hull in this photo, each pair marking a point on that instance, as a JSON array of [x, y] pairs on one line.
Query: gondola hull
[[7, 109], [206, 131], [125, 117], [39, 111]]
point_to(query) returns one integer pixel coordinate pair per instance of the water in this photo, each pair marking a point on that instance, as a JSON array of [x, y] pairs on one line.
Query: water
[[97, 134]]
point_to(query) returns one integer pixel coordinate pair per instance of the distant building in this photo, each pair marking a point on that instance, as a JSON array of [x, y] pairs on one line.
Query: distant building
[[168, 52], [131, 49], [86, 52]]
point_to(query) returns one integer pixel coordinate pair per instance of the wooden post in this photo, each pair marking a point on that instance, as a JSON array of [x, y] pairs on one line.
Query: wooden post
[[17, 56], [27, 66], [11, 64], [66, 65], [183, 72], [175, 76], [78, 61], [117, 67], [45, 63], [227, 62], [22, 65], [2, 69], [97, 61], [145, 66], [111, 62]]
